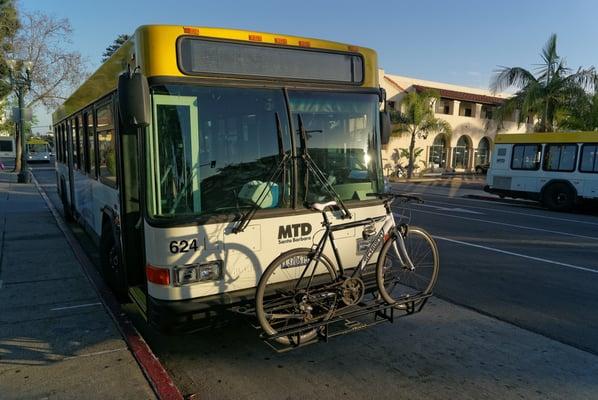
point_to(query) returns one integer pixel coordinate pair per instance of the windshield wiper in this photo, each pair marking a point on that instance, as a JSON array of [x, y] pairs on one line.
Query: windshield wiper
[[280, 169], [315, 170]]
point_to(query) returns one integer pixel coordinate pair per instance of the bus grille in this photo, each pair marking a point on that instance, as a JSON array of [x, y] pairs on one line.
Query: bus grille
[[501, 182]]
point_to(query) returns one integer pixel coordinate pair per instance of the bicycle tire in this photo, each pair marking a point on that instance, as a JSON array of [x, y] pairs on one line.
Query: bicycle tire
[[396, 283], [264, 292]]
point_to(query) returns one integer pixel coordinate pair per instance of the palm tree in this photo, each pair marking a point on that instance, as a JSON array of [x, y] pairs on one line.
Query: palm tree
[[544, 94], [582, 113], [416, 118]]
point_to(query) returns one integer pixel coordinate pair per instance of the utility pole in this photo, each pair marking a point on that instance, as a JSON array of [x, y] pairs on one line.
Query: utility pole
[[20, 79]]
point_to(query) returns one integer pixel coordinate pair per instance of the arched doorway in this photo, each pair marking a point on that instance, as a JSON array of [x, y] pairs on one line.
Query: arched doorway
[[437, 152], [482, 154], [462, 152]]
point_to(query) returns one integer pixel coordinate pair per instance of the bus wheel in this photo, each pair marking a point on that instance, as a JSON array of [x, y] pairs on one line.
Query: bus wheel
[[111, 262], [558, 197]]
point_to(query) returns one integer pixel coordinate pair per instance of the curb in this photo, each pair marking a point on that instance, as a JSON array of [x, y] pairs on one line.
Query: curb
[[154, 371]]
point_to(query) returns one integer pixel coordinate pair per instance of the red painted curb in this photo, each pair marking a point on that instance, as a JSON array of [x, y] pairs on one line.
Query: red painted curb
[[154, 371]]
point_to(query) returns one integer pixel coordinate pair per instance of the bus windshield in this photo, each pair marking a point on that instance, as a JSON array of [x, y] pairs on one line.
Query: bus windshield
[[37, 147], [340, 130], [214, 149]]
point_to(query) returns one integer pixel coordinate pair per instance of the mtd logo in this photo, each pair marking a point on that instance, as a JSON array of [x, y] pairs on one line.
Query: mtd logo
[[294, 233]]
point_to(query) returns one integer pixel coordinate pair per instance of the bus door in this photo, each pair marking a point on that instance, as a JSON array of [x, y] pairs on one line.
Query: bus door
[[165, 139]]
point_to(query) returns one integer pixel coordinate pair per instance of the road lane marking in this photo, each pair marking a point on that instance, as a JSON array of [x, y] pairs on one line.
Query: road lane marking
[[452, 209], [544, 260], [97, 353], [518, 213], [509, 225], [77, 306]]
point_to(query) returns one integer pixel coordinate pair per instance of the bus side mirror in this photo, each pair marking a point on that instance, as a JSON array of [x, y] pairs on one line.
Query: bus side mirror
[[385, 127], [134, 99]]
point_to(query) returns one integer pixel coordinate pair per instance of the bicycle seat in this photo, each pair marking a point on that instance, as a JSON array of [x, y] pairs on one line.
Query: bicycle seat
[[322, 206]]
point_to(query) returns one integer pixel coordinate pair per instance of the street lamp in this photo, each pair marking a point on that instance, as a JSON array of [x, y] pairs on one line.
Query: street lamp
[[19, 73]]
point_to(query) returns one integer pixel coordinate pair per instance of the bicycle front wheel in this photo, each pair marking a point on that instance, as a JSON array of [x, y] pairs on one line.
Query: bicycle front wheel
[[397, 282], [297, 288]]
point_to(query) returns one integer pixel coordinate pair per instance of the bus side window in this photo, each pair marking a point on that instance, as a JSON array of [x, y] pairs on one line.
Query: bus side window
[[65, 147], [560, 157], [80, 143], [526, 156], [85, 134], [106, 145], [74, 149], [59, 141], [589, 158], [92, 146], [56, 143]]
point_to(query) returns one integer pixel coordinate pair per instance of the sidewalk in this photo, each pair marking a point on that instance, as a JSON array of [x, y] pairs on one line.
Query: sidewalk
[[56, 338]]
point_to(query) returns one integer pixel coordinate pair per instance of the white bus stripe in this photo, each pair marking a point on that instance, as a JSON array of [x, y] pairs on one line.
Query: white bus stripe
[[544, 260], [505, 224], [77, 306]]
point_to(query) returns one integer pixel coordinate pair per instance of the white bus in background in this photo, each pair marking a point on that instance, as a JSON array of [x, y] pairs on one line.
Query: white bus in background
[[7, 147], [557, 168], [38, 151]]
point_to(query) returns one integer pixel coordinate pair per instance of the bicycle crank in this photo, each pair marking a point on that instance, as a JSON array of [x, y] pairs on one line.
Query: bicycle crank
[[352, 291]]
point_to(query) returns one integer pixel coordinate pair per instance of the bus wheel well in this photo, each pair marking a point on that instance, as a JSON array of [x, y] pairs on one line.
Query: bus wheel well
[[558, 195], [66, 207], [111, 259], [558, 181]]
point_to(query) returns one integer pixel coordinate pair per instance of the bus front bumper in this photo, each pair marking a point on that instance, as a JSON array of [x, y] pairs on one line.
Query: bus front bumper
[[180, 316]]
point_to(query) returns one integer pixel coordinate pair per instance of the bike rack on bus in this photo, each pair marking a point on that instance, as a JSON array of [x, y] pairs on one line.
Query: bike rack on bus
[[345, 320]]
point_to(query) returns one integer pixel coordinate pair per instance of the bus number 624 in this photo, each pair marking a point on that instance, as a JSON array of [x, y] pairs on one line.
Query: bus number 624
[[183, 246]]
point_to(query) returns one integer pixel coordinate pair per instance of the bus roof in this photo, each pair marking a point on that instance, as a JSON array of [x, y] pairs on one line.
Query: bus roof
[[154, 49], [547, 137]]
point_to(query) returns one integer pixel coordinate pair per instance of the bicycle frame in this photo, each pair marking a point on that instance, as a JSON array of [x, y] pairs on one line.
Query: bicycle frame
[[383, 234]]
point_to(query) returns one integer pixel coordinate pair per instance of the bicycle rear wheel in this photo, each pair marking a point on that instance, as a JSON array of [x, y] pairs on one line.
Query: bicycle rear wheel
[[396, 281], [287, 297]]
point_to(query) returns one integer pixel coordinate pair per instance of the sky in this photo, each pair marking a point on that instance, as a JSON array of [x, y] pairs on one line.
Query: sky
[[459, 41]]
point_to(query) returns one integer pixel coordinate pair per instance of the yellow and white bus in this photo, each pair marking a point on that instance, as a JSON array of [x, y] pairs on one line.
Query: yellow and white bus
[[555, 168], [38, 150], [164, 149]]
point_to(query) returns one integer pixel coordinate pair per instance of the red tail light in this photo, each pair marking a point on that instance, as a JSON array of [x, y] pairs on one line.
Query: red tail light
[[159, 276]]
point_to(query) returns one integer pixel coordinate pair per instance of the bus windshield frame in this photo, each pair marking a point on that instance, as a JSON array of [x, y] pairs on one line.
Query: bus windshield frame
[[211, 149]]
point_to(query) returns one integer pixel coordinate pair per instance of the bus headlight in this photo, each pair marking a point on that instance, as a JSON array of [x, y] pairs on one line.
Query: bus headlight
[[188, 274]]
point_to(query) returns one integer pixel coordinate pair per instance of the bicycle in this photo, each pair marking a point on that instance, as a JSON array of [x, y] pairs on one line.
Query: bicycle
[[301, 286]]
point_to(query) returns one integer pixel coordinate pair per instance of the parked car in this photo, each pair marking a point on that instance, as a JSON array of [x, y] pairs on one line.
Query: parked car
[[482, 169]]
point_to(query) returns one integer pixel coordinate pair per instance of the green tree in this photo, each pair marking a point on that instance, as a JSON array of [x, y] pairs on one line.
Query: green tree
[[55, 69], [417, 120], [581, 113], [119, 41], [542, 95], [9, 24]]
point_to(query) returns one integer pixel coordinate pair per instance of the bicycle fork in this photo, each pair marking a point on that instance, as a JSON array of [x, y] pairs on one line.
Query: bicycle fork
[[400, 249]]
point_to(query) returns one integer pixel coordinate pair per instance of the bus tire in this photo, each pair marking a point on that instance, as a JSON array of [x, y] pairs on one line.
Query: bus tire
[[558, 196], [111, 262]]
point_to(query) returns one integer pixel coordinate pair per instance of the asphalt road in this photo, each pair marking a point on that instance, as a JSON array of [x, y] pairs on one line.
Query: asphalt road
[[516, 262]]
